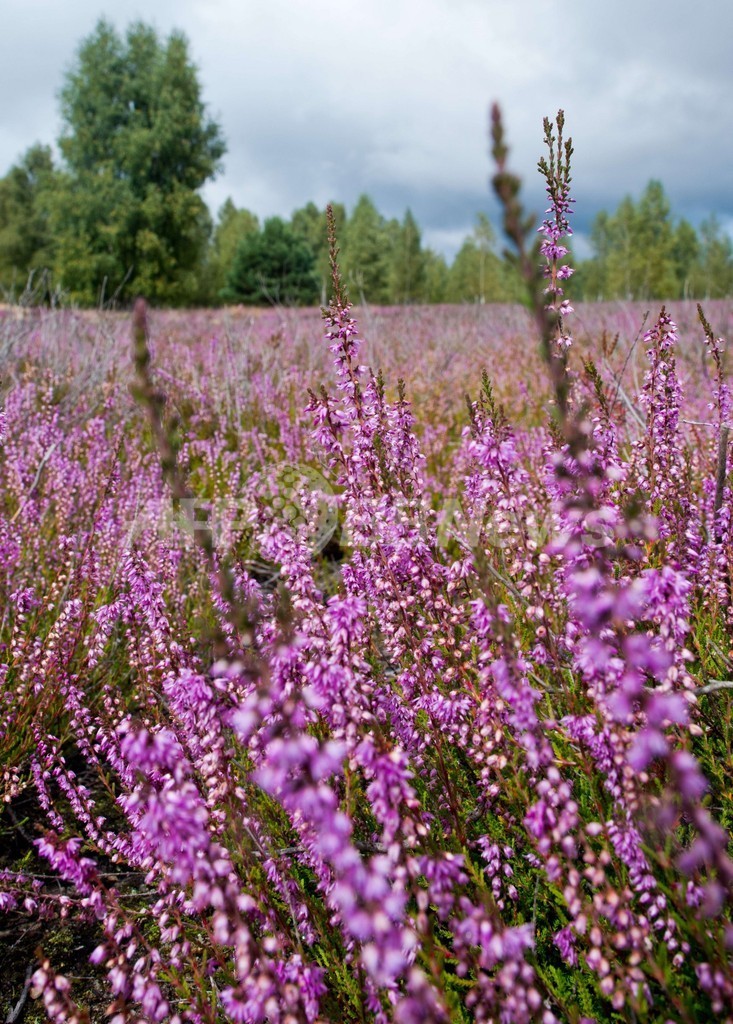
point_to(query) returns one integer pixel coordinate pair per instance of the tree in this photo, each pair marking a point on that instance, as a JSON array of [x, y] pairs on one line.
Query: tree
[[477, 273], [309, 223], [653, 251], [273, 265], [619, 276], [713, 275], [366, 252], [592, 275], [436, 276], [137, 145], [639, 254], [407, 265], [232, 226], [685, 254], [26, 243]]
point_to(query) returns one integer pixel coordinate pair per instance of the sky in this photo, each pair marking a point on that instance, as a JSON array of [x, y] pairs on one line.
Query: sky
[[326, 99]]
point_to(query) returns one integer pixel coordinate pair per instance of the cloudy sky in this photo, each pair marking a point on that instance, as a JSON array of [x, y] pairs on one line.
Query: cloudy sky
[[325, 99]]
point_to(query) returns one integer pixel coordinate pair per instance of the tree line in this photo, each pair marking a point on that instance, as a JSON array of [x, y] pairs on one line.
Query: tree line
[[383, 260], [643, 252], [121, 214]]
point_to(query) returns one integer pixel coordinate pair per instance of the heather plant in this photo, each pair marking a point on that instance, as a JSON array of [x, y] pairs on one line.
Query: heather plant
[[345, 702]]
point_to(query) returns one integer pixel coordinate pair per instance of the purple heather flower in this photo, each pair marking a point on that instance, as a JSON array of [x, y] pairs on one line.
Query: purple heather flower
[[565, 942]]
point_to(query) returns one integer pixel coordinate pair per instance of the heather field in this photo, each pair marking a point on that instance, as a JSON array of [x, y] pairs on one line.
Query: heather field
[[368, 669]]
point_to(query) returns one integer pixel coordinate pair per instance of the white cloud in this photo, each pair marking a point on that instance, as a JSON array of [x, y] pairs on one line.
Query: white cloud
[[447, 240]]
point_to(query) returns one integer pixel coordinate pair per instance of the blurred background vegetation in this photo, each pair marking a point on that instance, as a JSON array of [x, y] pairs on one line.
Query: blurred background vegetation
[[120, 214]]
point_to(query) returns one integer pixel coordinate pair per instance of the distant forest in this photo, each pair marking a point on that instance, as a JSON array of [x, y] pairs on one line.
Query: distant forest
[[640, 251], [121, 215]]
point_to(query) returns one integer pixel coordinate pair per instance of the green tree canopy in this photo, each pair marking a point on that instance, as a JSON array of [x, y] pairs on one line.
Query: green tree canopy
[[232, 225], [436, 276], [653, 256], [26, 242], [407, 263], [309, 223], [477, 273], [137, 145], [273, 265], [366, 252], [618, 273], [685, 255], [713, 274], [639, 253], [642, 252]]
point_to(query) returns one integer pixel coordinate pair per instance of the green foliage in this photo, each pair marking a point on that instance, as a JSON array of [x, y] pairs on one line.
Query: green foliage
[[478, 274], [435, 272], [232, 226], [653, 261], [273, 265], [384, 260], [366, 251], [640, 253], [713, 273], [26, 242], [685, 253], [407, 269], [635, 250], [137, 145], [309, 224]]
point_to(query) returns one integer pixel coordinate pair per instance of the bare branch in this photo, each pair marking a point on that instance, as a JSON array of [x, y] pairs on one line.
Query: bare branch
[[716, 684]]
